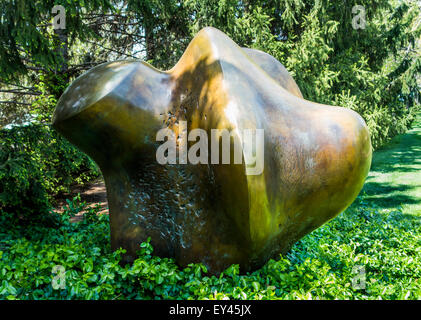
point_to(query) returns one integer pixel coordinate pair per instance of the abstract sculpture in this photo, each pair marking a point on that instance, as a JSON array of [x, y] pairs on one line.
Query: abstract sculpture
[[316, 157]]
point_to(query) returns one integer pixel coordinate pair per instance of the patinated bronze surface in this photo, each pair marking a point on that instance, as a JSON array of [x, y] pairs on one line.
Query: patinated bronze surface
[[316, 157]]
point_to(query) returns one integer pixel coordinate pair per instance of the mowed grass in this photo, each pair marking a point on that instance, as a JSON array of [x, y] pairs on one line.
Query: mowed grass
[[395, 177]]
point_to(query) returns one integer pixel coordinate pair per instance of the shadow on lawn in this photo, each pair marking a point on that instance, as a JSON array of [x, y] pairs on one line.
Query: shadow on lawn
[[402, 159], [388, 196], [402, 155]]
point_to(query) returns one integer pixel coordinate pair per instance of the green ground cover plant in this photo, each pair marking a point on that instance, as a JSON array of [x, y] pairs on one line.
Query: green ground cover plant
[[380, 233]]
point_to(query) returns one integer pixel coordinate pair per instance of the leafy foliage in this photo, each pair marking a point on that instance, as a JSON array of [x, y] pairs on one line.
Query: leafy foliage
[[320, 266], [23, 32], [35, 163]]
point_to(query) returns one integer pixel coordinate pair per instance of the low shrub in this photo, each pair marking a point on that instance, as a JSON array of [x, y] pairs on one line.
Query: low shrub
[[326, 264], [36, 163]]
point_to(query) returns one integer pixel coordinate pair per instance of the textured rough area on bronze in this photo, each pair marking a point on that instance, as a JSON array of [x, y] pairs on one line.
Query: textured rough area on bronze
[[316, 157]]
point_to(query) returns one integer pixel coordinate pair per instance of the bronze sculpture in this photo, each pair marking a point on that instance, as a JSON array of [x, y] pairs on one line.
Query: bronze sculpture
[[316, 157]]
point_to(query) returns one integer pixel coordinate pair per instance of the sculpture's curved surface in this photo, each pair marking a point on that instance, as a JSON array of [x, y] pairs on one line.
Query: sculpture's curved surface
[[316, 157]]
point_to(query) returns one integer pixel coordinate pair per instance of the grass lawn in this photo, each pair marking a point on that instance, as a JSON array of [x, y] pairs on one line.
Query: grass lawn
[[395, 177]]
